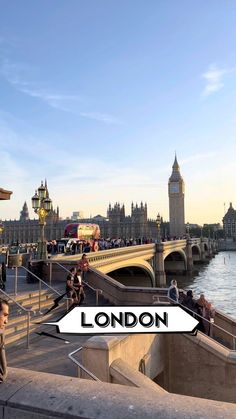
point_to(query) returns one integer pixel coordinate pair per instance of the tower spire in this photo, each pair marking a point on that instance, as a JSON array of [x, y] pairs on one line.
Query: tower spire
[[175, 166]]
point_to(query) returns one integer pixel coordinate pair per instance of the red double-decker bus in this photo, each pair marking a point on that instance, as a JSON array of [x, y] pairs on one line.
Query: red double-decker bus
[[82, 231]]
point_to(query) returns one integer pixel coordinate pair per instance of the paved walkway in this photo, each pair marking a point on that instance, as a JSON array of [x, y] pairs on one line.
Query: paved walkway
[[46, 354]]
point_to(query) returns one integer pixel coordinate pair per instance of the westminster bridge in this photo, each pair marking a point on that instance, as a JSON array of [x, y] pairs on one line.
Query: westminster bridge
[[152, 260]]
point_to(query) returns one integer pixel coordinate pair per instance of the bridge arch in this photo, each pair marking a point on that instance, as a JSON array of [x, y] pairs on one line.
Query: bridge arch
[[196, 252], [143, 266], [175, 261]]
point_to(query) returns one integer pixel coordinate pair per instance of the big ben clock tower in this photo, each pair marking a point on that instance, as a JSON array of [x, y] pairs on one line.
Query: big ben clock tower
[[176, 202]]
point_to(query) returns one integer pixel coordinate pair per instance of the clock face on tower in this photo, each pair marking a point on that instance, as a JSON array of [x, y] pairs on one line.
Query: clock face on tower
[[174, 187]]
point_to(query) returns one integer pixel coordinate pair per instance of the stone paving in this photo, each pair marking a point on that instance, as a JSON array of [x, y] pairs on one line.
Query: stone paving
[[46, 354]]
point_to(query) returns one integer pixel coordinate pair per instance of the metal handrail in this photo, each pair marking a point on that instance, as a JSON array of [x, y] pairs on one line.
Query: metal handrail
[[97, 290], [40, 285], [41, 280], [208, 321], [27, 311], [70, 356]]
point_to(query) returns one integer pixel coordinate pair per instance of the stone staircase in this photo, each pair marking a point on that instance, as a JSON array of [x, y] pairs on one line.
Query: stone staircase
[[17, 324]]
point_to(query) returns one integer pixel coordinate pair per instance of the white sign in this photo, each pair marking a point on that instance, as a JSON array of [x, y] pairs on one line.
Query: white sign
[[132, 319]]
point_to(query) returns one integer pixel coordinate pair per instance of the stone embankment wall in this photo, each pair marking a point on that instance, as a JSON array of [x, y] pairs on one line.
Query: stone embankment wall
[[190, 365], [201, 367]]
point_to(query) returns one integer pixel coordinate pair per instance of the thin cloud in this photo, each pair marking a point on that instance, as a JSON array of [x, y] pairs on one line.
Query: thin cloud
[[62, 102], [198, 157], [17, 74], [214, 79], [101, 117]]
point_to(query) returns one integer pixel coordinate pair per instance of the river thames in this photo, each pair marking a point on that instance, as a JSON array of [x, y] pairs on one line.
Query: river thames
[[217, 280]]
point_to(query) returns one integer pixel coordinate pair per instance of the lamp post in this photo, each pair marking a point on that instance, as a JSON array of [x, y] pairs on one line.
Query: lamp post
[[158, 221], [42, 205], [187, 230]]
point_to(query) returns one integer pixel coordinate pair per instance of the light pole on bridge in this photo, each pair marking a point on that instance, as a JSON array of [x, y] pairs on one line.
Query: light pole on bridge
[[158, 221], [187, 230], [42, 205]]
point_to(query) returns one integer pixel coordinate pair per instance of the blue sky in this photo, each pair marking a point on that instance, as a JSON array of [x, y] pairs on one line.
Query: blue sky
[[96, 96]]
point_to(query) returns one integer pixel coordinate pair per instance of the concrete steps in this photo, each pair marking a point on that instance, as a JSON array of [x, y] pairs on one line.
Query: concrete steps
[[17, 323], [16, 329]]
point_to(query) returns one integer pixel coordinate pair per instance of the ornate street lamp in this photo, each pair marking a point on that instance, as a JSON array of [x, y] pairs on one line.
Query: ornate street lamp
[[158, 221], [42, 205], [187, 230]]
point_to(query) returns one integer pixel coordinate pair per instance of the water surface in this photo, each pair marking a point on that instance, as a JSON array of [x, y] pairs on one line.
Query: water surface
[[217, 280]]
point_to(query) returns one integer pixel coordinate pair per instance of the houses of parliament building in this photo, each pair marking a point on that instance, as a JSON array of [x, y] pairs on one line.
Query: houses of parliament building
[[116, 224]]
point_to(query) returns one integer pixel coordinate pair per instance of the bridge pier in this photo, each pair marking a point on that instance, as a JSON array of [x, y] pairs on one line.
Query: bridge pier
[[189, 255], [203, 253], [159, 267]]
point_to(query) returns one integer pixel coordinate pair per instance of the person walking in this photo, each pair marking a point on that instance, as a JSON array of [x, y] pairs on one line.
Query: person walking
[[78, 286], [70, 290], [84, 266], [4, 313]]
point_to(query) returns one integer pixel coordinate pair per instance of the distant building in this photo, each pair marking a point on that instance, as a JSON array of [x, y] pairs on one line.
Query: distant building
[[229, 223], [24, 214], [176, 202], [136, 225], [77, 215], [25, 230]]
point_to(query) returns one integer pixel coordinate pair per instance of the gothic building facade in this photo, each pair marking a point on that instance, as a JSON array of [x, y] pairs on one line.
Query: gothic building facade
[[26, 230], [116, 224], [229, 223], [134, 225]]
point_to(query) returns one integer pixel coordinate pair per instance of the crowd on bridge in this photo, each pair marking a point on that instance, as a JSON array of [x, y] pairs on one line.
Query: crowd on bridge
[[74, 246]]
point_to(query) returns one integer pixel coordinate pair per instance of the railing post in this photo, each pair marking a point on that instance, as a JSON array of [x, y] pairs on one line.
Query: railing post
[[50, 273], [16, 280], [28, 328]]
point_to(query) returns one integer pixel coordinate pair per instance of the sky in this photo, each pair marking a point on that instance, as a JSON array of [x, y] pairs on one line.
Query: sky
[[97, 96]]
